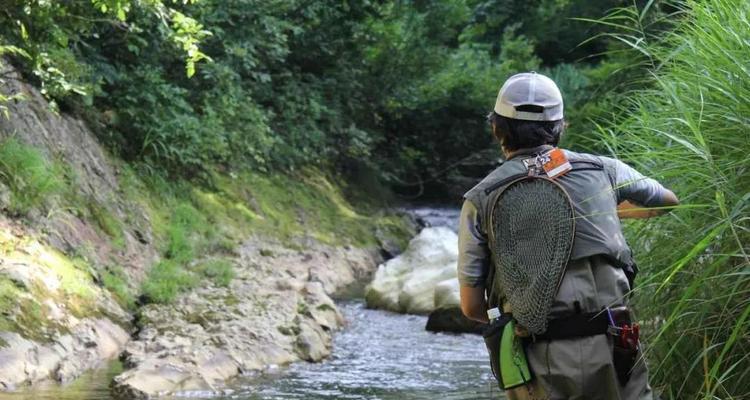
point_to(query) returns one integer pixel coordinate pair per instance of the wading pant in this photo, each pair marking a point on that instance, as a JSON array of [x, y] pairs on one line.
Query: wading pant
[[580, 369]]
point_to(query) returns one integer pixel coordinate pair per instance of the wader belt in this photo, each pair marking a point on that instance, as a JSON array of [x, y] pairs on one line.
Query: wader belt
[[580, 325]]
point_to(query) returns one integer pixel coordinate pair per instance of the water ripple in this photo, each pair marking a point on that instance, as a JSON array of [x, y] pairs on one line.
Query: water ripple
[[384, 356]]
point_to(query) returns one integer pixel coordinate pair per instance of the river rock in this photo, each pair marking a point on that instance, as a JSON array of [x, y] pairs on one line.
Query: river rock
[[447, 316], [447, 294], [452, 320], [277, 310], [407, 282], [89, 343], [50, 339]]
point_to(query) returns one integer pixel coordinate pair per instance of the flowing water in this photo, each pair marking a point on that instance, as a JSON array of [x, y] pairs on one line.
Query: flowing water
[[379, 355], [436, 216], [385, 356]]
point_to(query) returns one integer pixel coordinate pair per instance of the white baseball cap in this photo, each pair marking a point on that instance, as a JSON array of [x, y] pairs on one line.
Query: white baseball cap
[[532, 89]]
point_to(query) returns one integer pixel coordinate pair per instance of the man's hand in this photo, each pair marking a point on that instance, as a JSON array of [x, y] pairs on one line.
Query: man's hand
[[473, 303], [628, 209]]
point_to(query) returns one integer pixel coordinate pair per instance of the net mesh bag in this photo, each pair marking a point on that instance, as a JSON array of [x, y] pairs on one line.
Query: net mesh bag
[[533, 227]]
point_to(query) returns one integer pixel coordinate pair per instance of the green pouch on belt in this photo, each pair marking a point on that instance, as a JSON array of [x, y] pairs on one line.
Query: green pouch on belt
[[514, 368]]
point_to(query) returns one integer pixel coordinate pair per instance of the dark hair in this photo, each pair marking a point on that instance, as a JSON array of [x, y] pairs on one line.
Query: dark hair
[[515, 134]]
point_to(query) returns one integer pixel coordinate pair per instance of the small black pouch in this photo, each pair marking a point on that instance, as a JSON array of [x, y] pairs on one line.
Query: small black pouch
[[624, 360], [626, 345], [492, 335]]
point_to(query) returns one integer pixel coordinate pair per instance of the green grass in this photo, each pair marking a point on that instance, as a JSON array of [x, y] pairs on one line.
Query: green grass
[[220, 271], [115, 280], [308, 203], [30, 178], [209, 221], [185, 233], [107, 222], [691, 129], [180, 247], [166, 280]]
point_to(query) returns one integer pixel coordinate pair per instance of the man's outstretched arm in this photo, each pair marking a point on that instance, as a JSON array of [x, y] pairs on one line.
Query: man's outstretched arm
[[640, 196], [628, 209]]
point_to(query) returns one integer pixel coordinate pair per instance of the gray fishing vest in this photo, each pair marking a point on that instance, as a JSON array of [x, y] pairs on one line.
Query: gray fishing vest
[[590, 185]]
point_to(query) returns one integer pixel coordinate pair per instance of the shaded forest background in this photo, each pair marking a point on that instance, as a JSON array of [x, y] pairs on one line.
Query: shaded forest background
[[394, 93], [399, 88]]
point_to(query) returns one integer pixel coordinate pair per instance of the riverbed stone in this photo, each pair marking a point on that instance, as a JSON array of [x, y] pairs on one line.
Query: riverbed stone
[[447, 315], [452, 320], [276, 311], [89, 344], [313, 344], [407, 283]]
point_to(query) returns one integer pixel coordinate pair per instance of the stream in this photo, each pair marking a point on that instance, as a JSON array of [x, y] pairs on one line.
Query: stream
[[378, 356], [385, 356]]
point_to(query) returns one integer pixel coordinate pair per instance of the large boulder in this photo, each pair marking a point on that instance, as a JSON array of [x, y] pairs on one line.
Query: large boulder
[[423, 280], [446, 294], [407, 283]]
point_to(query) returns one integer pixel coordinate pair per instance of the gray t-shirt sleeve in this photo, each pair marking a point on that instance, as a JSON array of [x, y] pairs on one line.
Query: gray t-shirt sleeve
[[634, 186], [473, 253]]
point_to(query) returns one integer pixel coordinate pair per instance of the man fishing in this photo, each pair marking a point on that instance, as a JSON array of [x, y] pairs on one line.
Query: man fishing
[[543, 259]]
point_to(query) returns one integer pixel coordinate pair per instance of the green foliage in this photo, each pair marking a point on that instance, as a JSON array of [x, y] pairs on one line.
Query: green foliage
[[115, 280], [188, 33], [165, 281], [107, 222], [5, 98], [689, 127], [28, 175], [397, 87], [53, 37]]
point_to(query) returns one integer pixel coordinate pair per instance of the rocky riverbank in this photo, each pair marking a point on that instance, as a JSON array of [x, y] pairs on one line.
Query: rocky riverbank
[[60, 194], [99, 260], [277, 310]]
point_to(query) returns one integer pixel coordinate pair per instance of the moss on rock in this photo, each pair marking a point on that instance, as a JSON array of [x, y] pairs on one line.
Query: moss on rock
[[45, 291]]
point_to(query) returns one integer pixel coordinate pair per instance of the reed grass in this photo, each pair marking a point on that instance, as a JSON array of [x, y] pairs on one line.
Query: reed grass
[[690, 128]]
